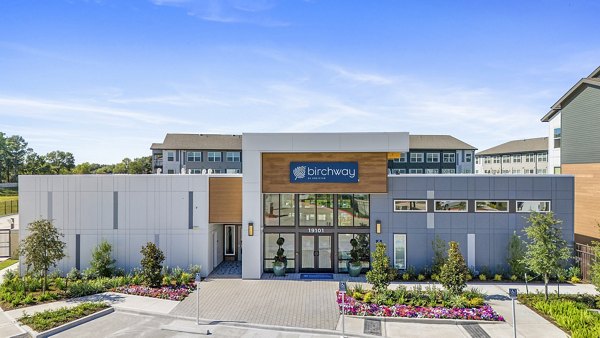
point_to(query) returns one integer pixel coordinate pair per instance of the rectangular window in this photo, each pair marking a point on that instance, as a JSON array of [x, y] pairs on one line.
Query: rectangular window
[[491, 206], [353, 210], [233, 156], [557, 170], [400, 251], [401, 159], [449, 158], [216, 171], [214, 156], [433, 157], [278, 210], [541, 171], [432, 171], [271, 247], [477, 160], [170, 171], [195, 171], [415, 171], [516, 158], [308, 210], [506, 159], [170, 156], [324, 209], [398, 171], [516, 171], [496, 159], [233, 171], [410, 205], [487, 160], [529, 206], [557, 137], [448, 171], [468, 157], [542, 157], [194, 156], [530, 157], [451, 206], [416, 157], [344, 248]]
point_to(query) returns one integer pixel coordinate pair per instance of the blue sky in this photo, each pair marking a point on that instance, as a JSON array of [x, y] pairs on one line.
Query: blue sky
[[104, 79]]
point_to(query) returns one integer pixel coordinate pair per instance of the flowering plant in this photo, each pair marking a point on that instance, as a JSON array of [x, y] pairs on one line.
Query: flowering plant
[[355, 307], [177, 293]]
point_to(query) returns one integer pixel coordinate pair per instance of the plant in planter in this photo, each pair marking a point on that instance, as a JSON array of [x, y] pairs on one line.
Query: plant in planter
[[280, 261], [354, 264]]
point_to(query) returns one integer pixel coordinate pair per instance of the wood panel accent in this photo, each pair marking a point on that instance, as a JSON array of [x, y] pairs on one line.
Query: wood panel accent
[[225, 200], [587, 196], [372, 173]]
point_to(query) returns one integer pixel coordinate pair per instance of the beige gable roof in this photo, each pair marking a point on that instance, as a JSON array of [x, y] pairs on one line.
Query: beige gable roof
[[592, 79], [199, 142], [437, 142], [518, 146]]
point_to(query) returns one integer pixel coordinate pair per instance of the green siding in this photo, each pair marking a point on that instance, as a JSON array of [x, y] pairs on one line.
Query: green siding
[[581, 127]]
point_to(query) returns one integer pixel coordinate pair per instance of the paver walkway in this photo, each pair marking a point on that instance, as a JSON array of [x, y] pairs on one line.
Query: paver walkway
[[296, 303]]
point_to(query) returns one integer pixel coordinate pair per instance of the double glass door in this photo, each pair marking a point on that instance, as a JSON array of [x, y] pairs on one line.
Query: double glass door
[[317, 253]]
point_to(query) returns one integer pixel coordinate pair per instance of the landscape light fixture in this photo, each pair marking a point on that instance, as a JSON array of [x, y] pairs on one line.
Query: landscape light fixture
[[250, 229]]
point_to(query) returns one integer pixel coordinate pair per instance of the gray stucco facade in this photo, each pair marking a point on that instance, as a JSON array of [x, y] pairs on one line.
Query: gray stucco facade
[[489, 231]]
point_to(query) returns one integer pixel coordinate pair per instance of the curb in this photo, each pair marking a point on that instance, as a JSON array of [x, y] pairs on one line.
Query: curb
[[214, 322], [432, 321], [68, 325]]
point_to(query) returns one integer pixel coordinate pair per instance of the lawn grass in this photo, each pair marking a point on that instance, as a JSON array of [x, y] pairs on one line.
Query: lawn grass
[[7, 263], [46, 320], [9, 205], [9, 192], [9, 198]]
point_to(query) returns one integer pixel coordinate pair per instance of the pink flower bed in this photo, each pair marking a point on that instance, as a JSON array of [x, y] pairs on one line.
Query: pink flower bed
[[177, 293], [354, 307]]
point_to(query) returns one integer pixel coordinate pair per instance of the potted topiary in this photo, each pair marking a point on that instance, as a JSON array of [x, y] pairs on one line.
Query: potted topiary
[[280, 261], [354, 264]]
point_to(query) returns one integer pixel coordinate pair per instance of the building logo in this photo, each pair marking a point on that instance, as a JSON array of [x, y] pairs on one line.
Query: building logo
[[324, 172], [299, 172]]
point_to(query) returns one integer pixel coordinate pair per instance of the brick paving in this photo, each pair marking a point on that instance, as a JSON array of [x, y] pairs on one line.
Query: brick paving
[[295, 303]]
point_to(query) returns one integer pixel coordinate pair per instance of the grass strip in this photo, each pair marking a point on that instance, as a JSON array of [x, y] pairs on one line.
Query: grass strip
[[7, 263], [46, 320], [573, 316]]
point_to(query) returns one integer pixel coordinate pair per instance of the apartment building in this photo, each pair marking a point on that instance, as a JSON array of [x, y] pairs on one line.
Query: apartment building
[[574, 122], [316, 190], [198, 153], [528, 156], [434, 154]]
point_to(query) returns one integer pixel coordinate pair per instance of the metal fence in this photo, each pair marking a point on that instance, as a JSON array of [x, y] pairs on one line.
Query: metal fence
[[9, 207], [585, 258]]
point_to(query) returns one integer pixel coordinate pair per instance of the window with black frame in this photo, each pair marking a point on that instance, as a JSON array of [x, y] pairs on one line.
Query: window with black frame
[[344, 248], [271, 247], [353, 210], [278, 210]]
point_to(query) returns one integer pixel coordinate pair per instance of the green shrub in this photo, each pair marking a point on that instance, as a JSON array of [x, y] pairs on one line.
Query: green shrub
[[497, 277], [453, 275], [74, 274], [45, 320], [368, 297], [381, 273], [575, 280], [406, 276], [152, 258], [421, 277], [482, 277], [435, 277], [194, 269], [439, 254], [514, 278], [102, 263], [475, 302], [89, 274], [84, 288]]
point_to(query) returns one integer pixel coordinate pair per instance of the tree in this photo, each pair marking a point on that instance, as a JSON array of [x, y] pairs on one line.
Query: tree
[[439, 254], [35, 164], [381, 273], [141, 165], [152, 264], [516, 253], [60, 162], [102, 264], [42, 248], [16, 149], [546, 250], [453, 274]]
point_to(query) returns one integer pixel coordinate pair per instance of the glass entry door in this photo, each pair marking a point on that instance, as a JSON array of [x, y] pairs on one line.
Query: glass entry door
[[317, 253]]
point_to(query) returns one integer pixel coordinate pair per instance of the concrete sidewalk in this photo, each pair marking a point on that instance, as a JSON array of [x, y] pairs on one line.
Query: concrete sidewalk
[[117, 300]]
